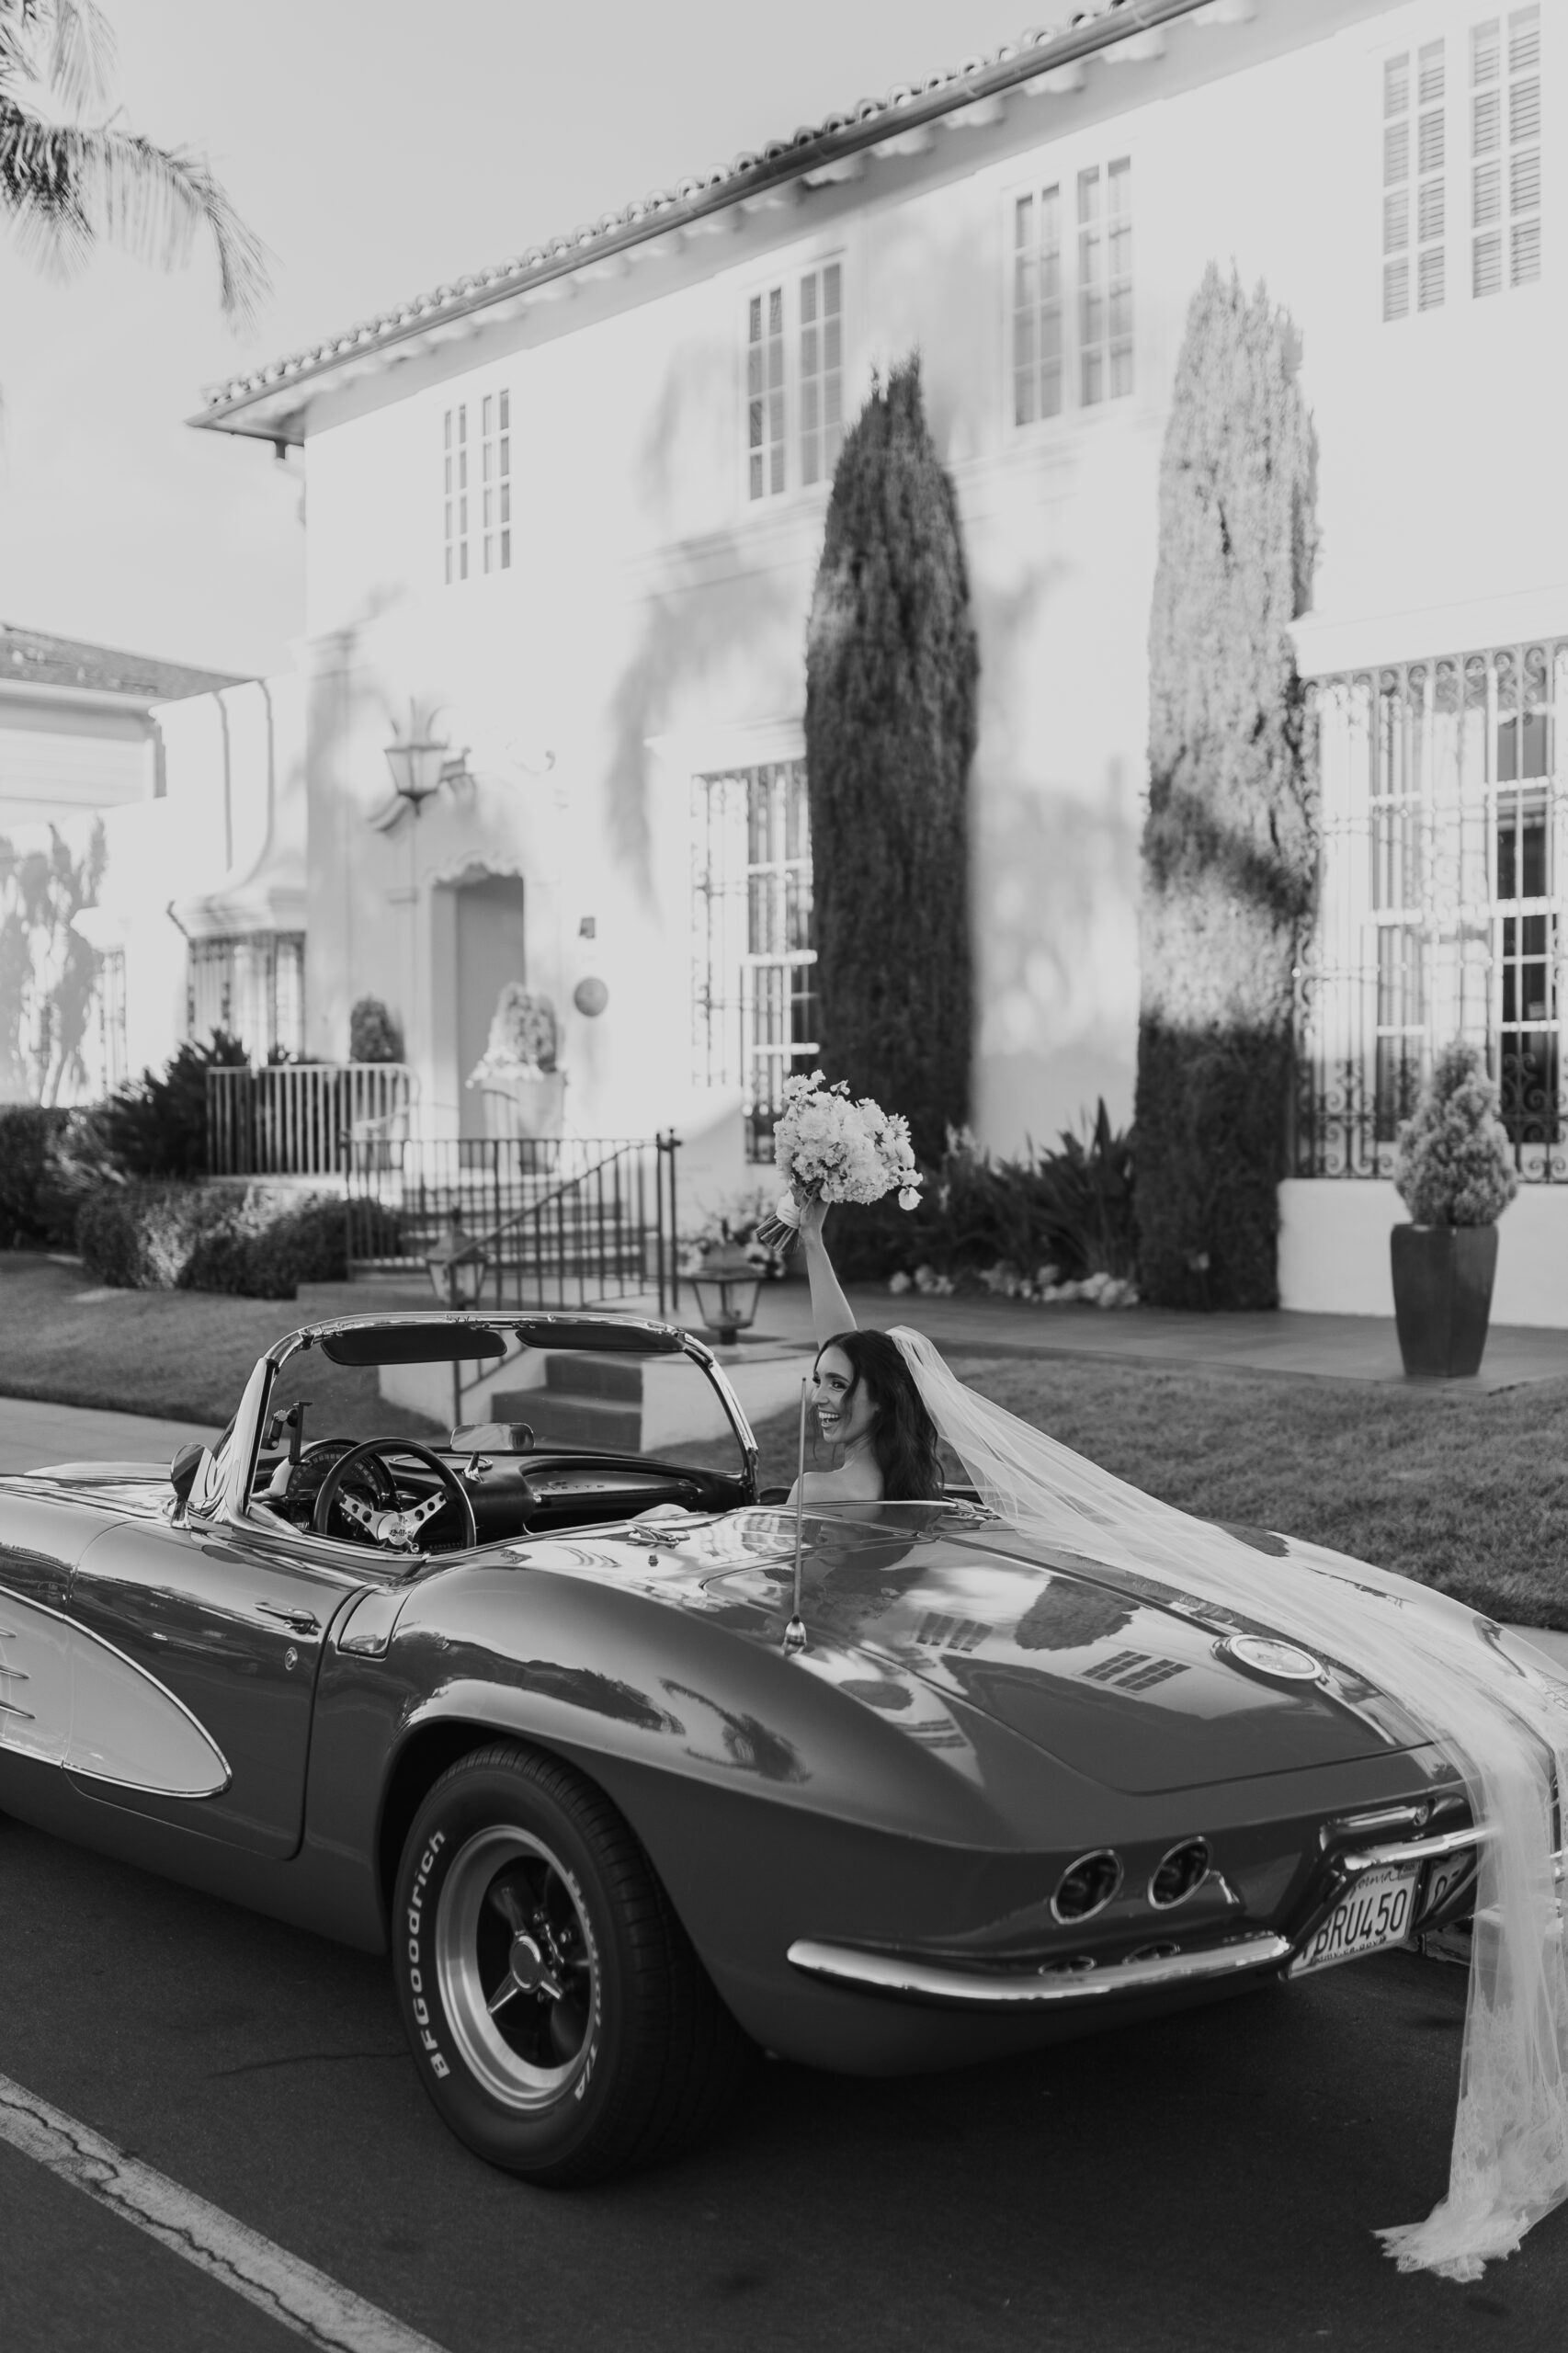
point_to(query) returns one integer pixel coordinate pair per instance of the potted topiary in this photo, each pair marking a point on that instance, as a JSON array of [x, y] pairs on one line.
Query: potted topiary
[[1455, 1172]]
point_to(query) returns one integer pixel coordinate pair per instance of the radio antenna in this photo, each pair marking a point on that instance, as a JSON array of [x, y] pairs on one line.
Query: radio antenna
[[795, 1632]]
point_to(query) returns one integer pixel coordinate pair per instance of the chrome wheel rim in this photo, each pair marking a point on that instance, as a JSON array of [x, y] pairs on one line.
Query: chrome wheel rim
[[517, 1968]]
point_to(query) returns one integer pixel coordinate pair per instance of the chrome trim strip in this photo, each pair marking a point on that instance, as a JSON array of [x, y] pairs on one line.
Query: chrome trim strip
[[1415, 1850], [923, 1981]]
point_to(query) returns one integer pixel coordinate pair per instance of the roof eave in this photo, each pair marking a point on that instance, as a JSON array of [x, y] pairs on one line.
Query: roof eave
[[275, 412]]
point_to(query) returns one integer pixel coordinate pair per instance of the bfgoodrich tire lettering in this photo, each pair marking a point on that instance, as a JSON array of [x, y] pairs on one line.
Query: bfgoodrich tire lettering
[[559, 2018]]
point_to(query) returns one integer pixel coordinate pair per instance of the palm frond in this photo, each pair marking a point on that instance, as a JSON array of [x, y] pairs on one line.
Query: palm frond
[[66, 185], [81, 50], [69, 44]]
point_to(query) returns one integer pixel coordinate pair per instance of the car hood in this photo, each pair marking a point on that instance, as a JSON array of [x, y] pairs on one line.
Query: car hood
[[1077, 1659]]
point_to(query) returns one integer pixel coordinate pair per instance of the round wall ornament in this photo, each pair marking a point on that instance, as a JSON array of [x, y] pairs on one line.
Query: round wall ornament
[[590, 997]]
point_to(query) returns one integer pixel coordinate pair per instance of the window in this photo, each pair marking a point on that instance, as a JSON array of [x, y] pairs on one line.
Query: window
[[477, 508], [1415, 185], [252, 984], [1505, 140], [1101, 299], [1442, 906], [753, 979], [805, 401]]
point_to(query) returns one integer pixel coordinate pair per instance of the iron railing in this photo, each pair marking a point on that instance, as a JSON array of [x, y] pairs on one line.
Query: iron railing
[[303, 1118], [562, 1222], [1443, 904]]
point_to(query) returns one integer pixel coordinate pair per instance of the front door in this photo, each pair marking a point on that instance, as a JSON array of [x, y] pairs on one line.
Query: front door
[[489, 917], [233, 1625]]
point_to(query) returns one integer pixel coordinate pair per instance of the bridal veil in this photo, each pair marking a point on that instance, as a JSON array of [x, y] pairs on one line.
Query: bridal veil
[[1504, 1723]]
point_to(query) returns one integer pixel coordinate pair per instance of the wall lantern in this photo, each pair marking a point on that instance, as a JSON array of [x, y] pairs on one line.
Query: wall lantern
[[726, 1285], [420, 766]]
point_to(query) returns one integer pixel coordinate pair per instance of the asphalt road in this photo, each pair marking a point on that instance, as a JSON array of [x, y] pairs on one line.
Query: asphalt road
[[1206, 2183]]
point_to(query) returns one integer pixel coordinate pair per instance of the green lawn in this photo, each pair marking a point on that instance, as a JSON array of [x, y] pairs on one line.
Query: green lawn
[[1469, 1493], [185, 1354]]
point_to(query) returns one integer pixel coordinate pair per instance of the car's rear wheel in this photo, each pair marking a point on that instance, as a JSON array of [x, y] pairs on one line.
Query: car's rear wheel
[[562, 2024]]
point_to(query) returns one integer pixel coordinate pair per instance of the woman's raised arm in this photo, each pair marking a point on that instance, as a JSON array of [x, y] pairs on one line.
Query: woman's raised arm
[[831, 1311]]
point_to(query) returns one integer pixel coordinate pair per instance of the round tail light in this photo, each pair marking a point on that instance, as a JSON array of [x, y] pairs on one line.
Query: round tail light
[[1180, 1875], [1087, 1886]]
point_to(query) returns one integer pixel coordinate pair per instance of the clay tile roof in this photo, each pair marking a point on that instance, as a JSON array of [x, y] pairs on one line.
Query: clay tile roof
[[710, 190], [27, 657]]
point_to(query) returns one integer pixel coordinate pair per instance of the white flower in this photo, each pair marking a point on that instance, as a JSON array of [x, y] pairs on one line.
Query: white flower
[[908, 1199], [899, 1283]]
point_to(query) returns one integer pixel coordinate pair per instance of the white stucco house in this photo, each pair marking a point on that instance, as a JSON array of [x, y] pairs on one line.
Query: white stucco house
[[573, 505]]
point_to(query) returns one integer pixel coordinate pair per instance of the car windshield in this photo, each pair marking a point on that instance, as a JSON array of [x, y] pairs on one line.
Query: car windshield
[[531, 1399]]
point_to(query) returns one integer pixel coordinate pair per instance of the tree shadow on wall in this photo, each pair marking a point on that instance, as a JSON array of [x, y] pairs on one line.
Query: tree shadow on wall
[[47, 971], [735, 618]]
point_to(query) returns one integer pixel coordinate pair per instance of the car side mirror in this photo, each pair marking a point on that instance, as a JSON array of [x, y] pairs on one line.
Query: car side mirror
[[186, 1472]]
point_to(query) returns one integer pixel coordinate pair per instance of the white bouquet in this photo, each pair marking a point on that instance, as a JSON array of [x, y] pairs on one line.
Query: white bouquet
[[830, 1148]]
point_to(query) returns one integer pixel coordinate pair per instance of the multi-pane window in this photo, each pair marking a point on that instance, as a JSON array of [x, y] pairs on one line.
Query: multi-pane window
[[765, 393], [1396, 185], [252, 984], [1036, 305], [1503, 195], [822, 370], [1073, 265], [477, 486], [1414, 180], [1443, 908], [753, 978], [1504, 136], [794, 424]]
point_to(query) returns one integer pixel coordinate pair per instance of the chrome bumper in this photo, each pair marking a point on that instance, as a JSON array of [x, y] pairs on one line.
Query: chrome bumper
[[950, 1988]]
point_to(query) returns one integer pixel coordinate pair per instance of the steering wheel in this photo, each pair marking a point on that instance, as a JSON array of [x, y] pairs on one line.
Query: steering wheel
[[392, 1526], [297, 1485]]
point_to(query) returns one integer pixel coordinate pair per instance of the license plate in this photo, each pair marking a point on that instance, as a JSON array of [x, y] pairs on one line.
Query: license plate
[[1373, 1915]]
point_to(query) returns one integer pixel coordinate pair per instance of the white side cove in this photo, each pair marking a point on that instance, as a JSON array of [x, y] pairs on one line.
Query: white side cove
[[69, 1698], [1334, 1250]]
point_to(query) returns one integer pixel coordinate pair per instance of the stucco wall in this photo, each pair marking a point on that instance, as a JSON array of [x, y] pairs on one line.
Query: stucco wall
[[1334, 1250], [652, 623]]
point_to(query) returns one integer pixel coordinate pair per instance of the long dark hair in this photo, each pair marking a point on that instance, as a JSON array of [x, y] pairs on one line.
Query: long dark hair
[[903, 1435]]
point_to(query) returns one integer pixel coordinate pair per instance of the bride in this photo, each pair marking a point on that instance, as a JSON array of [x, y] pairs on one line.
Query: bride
[[1494, 1704]]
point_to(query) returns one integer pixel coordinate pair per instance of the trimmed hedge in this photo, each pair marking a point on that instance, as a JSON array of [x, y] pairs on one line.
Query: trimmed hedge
[[36, 1211], [251, 1242], [892, 679]]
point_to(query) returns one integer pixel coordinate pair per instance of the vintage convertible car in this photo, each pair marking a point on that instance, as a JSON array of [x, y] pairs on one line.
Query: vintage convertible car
[[530, 1708]]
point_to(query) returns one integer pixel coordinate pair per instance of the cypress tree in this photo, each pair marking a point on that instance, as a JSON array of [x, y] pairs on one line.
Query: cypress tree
[[892, 670], [1230, 840]]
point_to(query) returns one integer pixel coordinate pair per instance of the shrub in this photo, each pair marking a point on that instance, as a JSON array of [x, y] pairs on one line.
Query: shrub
[[1229, 845], [891, 671], [34, 1215], [1065, 1214], [249, 1241], [1455, 1165], [157, 1126], [373, 1035]]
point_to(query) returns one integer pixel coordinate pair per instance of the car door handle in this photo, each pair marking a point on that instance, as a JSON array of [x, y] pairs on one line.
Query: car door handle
[[298, 1621]]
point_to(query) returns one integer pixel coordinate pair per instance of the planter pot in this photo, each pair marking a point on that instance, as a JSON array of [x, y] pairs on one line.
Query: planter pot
[[1442, 1297], [526, 1109]]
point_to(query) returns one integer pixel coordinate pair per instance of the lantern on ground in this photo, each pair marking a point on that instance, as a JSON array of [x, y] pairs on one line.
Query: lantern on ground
[[726, 1285]]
